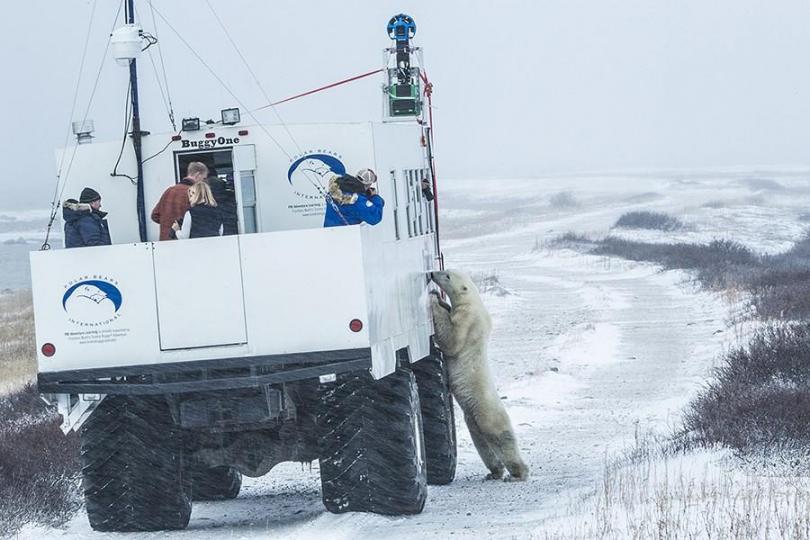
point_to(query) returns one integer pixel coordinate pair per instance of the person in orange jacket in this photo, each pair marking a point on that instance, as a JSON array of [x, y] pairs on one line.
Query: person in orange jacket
[[174, 204]]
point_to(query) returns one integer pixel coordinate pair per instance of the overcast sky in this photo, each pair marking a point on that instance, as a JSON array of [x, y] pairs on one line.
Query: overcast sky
[[522, 88]]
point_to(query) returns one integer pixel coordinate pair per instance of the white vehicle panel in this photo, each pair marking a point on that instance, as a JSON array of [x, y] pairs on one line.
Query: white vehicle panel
[[95, 305], [303, 288], [396, 284], [291, 190], [199, 291]]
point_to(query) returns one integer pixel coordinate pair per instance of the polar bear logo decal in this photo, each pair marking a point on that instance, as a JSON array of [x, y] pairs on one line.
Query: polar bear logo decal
[[92, 301], [309, 174]]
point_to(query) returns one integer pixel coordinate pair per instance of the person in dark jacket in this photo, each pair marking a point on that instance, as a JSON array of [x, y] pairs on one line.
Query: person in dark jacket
[[353, 200], [203, 218], [224, 194], [85, 223]]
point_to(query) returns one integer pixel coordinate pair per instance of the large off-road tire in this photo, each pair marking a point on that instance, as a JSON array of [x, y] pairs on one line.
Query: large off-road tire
[[438, 420], [214, 483], [132, 467], [372, 454]]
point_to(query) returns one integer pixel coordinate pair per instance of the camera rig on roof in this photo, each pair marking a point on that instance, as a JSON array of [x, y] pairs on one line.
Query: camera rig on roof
[[403, 87]]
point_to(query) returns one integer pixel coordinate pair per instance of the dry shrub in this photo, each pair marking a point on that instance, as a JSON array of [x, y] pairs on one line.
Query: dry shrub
[[564, 199], [721, 263], [716, 204], [762, 184], [761, 393], [571, 238], [39, 465], [779, 285], [17, 341], [649, 220], [781, 289]]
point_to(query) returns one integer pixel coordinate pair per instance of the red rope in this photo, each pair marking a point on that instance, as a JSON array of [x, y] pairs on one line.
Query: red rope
[[429, 94], [344, 81]]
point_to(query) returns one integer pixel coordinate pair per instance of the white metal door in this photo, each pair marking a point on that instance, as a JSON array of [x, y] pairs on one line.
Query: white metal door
[[244, 177], [199, 293]]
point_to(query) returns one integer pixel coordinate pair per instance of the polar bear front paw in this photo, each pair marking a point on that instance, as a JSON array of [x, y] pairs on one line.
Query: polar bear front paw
[[436, 302]]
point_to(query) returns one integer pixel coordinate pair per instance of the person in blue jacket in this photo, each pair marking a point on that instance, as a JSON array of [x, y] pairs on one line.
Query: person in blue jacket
[[353, 199], [85, 223]]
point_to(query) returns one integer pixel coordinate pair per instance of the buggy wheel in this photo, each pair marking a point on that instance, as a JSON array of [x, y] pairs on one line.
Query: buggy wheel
[[372, 455], [437, 418], [132, 467]]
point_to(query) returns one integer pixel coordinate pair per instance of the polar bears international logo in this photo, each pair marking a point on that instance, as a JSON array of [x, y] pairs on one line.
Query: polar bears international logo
[[92, 301], [309, 173]]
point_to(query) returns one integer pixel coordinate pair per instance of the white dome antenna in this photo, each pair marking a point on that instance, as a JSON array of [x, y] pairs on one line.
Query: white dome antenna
[[126, 44]]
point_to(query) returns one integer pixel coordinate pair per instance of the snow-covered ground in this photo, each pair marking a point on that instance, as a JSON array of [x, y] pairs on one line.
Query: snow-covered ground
[[590, 353]]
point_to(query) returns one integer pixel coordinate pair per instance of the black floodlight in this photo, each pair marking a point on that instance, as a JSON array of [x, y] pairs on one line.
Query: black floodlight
[[230, 117], [191, 124]]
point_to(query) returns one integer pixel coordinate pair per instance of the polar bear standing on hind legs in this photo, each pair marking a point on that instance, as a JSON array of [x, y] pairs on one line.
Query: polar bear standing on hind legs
[[462, 332]]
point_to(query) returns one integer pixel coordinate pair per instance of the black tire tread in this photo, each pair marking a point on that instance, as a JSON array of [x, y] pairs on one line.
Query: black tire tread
[[371, 458], [132, 467], [438, 418]]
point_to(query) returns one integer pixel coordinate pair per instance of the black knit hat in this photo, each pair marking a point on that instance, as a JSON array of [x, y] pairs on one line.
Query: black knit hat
[[89, 195]]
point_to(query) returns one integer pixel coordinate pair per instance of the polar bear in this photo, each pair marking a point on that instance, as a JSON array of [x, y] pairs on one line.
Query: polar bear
[[462, 332]]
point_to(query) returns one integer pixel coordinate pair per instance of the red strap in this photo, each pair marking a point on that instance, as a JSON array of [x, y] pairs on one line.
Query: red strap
[[429, 95], [344, 81]]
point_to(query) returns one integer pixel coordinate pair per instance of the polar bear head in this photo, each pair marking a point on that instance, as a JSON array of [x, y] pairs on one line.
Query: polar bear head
[[457, 285]]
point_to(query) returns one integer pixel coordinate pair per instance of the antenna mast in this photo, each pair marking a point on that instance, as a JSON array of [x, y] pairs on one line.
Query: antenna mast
[[137, 135]]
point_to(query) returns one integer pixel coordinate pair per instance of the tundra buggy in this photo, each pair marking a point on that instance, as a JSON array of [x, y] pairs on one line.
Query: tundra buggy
[[186, 364]]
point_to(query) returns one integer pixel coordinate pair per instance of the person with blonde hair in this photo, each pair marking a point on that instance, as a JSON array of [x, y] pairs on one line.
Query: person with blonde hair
[[203, 218], [173, 204]]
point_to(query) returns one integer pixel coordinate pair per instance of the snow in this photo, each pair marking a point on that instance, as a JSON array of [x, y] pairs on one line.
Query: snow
[[588, 353], [703, 494]]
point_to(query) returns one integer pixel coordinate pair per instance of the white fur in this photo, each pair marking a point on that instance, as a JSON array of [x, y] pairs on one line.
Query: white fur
[[462, 333]]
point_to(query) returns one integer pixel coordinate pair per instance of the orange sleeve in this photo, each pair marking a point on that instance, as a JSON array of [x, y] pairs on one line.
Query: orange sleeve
[[156, 210]]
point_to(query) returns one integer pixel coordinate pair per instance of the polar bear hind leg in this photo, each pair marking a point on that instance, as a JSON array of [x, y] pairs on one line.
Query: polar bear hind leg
[[487, 453], [518, 470], [496, 428]]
